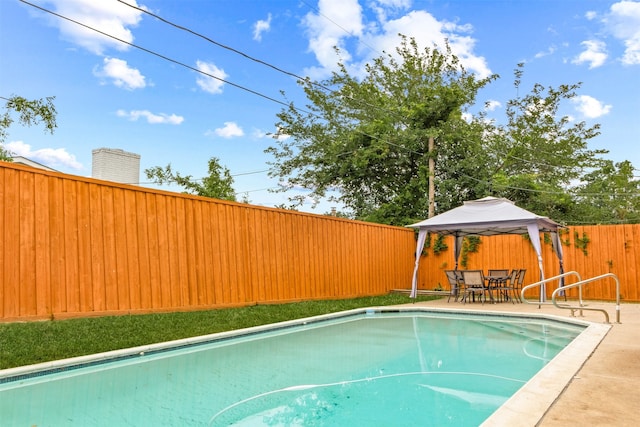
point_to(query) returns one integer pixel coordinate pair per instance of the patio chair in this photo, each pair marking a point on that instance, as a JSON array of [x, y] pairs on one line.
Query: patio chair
[[497, 273], [473, 285], [496, 281], [517, 286], [455, 283], [509, 286]]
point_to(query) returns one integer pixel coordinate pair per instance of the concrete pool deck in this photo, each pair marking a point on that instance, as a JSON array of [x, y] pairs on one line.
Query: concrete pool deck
[[605, 390]]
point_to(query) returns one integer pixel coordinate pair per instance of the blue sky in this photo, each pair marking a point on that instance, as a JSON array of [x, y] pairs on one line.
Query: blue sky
[[110, 94]]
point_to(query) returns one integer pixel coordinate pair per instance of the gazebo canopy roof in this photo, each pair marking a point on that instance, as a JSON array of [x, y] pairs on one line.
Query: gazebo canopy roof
[[486, 217]]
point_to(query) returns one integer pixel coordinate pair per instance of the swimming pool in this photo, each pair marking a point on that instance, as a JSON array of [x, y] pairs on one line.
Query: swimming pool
[[363, 367]]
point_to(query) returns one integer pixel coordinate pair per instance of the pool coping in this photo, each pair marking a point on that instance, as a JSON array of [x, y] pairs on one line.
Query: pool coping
[[525, 408]]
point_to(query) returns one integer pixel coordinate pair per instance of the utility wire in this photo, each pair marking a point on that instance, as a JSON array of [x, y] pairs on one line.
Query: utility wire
[[243, 87], [291, 74], [260, 61], [288, 73], [166, 58], [250, 173], [188, 30], [558, 193], [350, 33], [254, 191], [200, 71], [203, 178]]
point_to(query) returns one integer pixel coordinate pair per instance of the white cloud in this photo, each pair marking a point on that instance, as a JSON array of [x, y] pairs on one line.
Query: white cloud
[[336, 21], [210, 84], [261, 27], [398, 4], [121, 74], [110, 17], [590, 107], [152, 118], [383, 8], [550, 51], [492, 105], [340, 22], [427, 30], [259, 133], [623, 22], [230, 130], [52, 157], [539, 106], [280, 135], [594, 54], [590, 15]]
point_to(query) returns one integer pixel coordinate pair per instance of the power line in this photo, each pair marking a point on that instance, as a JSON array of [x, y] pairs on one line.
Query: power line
[[247, 56], [166, 58], [255, 191], [260, 61], [350, 33], [254, 92], [241, 53], [180, 27], [207, 74], [203, 178], [200, 71], [208, 39], [557, 193], [250, 173]]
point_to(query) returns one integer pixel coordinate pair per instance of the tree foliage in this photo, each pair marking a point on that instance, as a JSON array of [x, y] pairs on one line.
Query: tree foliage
[[609, 194], [367, 139], [29, 113], [218, 184], [538, 153]]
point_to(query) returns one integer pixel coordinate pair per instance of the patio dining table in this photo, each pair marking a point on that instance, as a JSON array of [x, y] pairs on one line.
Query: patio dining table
[[497, 282], [501, 284], [494, 281]]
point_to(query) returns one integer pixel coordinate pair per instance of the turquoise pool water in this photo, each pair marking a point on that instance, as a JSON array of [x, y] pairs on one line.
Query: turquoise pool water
[[369, 369]]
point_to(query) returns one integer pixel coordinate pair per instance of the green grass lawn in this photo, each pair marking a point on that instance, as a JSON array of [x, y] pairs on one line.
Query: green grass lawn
[[34, 342]]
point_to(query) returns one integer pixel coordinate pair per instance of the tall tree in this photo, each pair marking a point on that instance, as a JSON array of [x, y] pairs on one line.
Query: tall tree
[[218, 184], [368, 138], [537, 155], [30, 112]]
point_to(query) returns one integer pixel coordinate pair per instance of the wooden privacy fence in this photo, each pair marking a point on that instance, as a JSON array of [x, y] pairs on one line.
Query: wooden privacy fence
[[79, 246], [76, 246]]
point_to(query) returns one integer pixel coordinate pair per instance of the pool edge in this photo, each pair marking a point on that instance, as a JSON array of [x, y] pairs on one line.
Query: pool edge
[[528, 406]]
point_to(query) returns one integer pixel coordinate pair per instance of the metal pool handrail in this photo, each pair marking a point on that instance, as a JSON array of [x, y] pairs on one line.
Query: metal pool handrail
[[551, 279], [582, 307]]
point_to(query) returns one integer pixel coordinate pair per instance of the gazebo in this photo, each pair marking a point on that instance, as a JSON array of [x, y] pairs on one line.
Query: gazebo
[[489, 216]]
